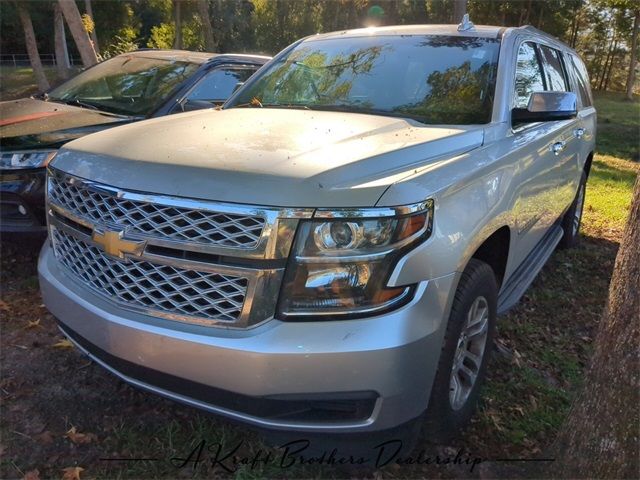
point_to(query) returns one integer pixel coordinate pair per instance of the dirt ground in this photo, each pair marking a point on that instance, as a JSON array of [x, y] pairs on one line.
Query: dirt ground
[[60, 411]]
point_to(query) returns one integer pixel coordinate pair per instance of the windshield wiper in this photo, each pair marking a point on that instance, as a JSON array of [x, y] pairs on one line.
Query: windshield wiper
[[75, 102]]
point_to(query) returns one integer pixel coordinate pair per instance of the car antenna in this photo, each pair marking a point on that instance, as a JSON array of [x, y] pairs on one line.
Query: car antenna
[[466, 24]]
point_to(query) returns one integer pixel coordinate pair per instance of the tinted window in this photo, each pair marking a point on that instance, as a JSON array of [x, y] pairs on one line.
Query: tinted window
[[528, 75], [126, 84], [219, 84], [582, 80], [434, 79], [552, 65]]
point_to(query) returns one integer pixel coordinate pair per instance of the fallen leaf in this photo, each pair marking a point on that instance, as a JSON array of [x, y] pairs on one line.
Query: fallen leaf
[[45, 437], [64, 343], [32, 475], [34, 324], [72, 473], [79, 438]]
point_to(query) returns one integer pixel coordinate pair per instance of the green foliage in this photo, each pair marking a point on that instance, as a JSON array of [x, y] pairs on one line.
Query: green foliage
[[599, 29], [163, 35], [124, 41], [87, 23]]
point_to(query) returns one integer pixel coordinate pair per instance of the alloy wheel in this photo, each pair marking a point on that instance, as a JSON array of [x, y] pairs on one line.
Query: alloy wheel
[[469, 353]]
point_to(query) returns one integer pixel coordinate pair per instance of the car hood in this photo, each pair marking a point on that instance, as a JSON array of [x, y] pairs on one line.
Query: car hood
[[278, 157], [29, 123]]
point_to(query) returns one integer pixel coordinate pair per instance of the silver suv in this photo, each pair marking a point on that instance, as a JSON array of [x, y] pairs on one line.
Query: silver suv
[[329, 251]]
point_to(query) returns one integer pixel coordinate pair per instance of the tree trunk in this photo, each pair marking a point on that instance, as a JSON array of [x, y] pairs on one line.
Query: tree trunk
[[600, 438], [80, 36], [459, 9], [60, 44], [613, 59], [94, 34], [603, 70], [177, 15], [631, 79], [32, 46], [203, 10], [577, 17]]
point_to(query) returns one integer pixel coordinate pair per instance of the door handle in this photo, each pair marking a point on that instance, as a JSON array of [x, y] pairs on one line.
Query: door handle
[[558, 147], [579, 132]]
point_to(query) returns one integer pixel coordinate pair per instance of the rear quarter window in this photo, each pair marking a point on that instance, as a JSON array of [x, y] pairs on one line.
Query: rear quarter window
[[579, 72]]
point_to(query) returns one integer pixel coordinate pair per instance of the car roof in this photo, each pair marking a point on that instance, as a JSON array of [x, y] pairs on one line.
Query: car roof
[[487, 31], [484, 31], [193, 57]]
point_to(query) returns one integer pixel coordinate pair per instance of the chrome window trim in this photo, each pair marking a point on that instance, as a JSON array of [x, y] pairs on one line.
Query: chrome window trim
[[274, 243], [375, 212], [259, 301]]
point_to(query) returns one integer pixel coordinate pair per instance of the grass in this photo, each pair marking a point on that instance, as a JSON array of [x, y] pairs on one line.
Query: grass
[[19, 82], [617, 126]]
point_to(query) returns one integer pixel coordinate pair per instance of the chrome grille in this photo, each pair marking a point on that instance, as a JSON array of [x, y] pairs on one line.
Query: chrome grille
[[177, 293], [155, 219]]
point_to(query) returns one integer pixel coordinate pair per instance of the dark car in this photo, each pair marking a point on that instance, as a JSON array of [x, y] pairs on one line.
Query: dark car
[[127, 88]]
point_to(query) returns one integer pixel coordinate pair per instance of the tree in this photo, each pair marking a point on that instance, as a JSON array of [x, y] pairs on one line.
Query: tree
[[80, 36], [203, 11], [600, 439], [60, 44], [177, 16], [94, 35], [32, 47], [631, 79], [459, 9]]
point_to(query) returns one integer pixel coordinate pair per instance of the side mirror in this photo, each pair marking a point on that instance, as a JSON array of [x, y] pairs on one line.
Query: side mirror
[[546, 107]]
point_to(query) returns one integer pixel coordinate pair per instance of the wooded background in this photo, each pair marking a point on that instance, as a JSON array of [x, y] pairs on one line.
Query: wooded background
[[604, 32]]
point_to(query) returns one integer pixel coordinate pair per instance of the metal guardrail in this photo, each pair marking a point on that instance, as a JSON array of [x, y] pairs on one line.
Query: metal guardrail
[[22, 60]]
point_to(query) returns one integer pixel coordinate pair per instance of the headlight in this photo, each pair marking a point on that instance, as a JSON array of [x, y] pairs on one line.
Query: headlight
[[28, 159], [341, 266]]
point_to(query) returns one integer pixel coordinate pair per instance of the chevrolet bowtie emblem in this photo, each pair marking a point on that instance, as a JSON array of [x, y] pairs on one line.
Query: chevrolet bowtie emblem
[[113, 244]]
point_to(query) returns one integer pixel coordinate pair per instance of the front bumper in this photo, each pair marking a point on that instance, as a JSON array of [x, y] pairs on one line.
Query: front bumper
[[379, 369], [22, 201]]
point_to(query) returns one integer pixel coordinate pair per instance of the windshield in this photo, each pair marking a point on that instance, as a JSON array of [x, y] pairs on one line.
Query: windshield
[[432, 78], [126, 85]]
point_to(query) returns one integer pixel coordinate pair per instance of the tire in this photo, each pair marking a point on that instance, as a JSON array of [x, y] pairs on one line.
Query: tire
[[573, 217], [449, 409]]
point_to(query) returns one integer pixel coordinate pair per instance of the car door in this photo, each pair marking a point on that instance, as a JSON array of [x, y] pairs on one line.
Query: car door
[[566, 145], [542, 150], [586, 128]]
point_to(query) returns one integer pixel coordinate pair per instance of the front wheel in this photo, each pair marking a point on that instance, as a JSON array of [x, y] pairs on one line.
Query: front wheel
[[464, 357], [573, 218]]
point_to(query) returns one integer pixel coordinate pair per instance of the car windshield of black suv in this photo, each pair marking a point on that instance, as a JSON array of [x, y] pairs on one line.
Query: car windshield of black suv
[[435, 79], [127, 85]]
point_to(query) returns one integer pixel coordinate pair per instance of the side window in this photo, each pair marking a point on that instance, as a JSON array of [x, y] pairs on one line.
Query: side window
[[582, 80], [528, 75], [219, 84], [553, 71]]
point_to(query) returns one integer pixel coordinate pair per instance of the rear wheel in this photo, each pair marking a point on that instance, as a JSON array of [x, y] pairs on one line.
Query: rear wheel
[[573, 218], [463, 360]]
